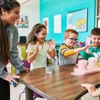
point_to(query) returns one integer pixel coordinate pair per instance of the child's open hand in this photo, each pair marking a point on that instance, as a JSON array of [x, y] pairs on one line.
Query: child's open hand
[[51, 44], [86, 47]]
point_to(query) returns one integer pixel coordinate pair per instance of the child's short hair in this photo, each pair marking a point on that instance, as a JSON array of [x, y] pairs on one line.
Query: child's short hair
[[69, 31], [95, 31]]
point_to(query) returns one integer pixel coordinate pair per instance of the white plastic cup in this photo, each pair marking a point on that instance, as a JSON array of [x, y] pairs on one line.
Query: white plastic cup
[[48, 69]]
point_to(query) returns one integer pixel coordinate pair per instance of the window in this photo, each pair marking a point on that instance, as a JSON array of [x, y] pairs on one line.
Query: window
[[98, 13]]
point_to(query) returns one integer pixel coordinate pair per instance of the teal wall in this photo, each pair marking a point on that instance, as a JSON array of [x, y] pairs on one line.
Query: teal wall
[[49, 8]]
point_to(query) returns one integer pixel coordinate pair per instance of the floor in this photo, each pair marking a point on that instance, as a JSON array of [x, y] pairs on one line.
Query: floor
[[15, 91]]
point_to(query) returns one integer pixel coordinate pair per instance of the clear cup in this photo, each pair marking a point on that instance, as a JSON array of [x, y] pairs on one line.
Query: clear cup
[[49, 69]]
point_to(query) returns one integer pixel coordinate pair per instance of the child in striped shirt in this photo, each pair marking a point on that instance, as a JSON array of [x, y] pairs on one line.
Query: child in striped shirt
[[68, 53]]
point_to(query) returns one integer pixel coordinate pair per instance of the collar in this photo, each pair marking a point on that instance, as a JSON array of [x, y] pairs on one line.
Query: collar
[[68, 46], [9, 27]]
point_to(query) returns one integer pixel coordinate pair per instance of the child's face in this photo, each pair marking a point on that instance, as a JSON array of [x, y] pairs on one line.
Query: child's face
[[42, 35], [71, 39], [95, 40]]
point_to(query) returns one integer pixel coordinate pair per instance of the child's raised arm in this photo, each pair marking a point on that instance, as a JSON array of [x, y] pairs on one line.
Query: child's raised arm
[[71, 52], [31, 55], [52, 46], [82, 48]]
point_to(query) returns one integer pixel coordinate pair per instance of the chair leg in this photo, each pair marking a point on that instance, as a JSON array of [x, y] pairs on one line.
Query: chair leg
[[20, 95]]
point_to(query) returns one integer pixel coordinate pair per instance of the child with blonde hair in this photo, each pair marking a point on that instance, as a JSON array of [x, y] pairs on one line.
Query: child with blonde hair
[[68, 53]]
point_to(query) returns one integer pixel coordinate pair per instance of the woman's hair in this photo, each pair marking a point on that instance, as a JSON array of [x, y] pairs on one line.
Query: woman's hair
[[7, 5], [69, 31], [95, 31], [35, 30]]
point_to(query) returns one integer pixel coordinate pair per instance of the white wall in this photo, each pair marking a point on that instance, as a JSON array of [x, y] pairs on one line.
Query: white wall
[[33, 14]]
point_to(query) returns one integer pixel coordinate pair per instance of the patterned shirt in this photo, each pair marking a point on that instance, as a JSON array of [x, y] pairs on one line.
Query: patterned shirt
[[67, 55]]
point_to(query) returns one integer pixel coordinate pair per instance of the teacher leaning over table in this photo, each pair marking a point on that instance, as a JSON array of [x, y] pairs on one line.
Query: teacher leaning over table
[[9, 13]]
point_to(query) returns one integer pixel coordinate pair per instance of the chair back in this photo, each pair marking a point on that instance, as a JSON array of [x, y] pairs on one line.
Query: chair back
[[26, 64]]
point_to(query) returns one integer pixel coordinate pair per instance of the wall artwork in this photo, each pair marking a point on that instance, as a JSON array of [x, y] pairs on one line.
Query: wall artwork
[[57, 23], [23, 22], [46, 23], [77, 20]]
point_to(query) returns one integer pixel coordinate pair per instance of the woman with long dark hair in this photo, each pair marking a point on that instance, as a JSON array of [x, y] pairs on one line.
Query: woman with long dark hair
[[9, 13]]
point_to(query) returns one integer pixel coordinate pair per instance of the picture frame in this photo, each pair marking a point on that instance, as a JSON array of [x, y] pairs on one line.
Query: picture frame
[[23, 22], [77, 20], [46, 23]]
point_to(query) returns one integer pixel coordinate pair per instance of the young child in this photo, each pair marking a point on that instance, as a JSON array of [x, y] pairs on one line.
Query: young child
[[38, 48], [94, 50], [68, 53], [92, 90]]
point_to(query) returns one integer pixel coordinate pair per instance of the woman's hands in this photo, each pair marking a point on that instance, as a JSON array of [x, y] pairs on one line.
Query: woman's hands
[[11, 77]]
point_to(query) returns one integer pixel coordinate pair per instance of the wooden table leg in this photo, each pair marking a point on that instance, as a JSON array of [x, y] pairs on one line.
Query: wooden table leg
[[29, 94]]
